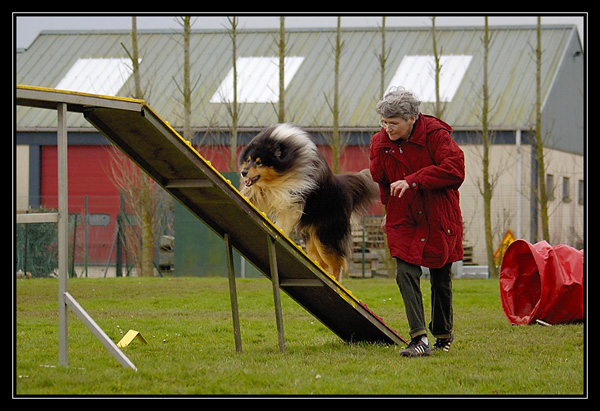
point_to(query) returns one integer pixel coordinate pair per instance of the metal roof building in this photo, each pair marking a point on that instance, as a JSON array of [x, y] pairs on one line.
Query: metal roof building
[[95, 61]]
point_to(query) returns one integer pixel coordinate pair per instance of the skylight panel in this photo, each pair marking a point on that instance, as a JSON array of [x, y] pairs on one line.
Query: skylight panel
[[103, 76], [417, 73], [258, 80]]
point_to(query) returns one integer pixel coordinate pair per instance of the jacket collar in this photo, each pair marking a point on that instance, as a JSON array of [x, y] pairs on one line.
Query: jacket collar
[[419, 131]]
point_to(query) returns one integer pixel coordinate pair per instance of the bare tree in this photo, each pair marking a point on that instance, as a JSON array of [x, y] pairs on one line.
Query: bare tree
[[390, 264], [186, 89], [233, 107], [439, 105], [382, 60], [488, 188], [281, 46], [135, 61], [144, 185], [539, 144], [336, 145], [145, 202]]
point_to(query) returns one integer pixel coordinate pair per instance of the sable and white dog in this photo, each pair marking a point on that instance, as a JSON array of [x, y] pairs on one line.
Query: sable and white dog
[[288, 178]]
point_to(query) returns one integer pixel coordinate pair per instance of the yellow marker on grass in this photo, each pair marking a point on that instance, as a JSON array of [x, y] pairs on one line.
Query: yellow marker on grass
[[129, 337]]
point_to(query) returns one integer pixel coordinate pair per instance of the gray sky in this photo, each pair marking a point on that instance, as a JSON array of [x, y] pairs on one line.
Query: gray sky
[[29, 26]]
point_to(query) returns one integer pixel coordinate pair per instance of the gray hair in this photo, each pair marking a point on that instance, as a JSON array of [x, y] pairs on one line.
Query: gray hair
[[398, 102]]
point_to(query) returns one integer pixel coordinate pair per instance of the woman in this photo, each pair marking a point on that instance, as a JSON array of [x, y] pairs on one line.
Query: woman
[[419, 169]]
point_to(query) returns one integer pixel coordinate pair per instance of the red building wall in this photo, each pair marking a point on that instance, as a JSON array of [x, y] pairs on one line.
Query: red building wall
[[90, 175]]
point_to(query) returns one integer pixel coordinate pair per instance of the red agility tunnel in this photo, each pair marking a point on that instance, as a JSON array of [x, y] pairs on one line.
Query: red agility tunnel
[[542, 282]]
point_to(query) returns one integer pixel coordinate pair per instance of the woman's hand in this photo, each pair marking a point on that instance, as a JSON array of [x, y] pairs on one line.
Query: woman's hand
[[397, 188]]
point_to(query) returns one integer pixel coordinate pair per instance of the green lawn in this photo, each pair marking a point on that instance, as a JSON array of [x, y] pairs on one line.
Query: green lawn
[[187, 323]]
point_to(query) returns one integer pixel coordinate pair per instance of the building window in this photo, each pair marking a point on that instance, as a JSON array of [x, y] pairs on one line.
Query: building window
[[103, 76], [257, 80], [419, 73], [580, 192], [566, 190], [550, 186]]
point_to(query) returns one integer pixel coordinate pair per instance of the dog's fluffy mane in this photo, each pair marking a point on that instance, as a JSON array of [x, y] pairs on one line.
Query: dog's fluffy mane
[[302, 162]]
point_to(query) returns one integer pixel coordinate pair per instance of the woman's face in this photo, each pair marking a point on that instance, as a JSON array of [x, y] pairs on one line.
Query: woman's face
[[398, 128]]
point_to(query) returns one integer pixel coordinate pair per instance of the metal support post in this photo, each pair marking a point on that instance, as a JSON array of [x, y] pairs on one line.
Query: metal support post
[[233, 295], [95, 329], [276, 295], [63, 232], [65, 300]]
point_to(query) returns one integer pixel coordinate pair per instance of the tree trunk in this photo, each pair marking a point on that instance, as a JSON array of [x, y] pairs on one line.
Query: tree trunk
[[539, 144], [234, 106], [187, 87], [485, 137], [146, 227], [335, 138], [147, 254], [281, 110]]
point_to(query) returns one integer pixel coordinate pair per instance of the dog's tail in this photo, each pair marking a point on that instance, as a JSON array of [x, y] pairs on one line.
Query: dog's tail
[[363, 190]]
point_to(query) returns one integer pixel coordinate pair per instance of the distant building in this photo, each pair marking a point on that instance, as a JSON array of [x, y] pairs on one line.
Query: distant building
[[96, 62]]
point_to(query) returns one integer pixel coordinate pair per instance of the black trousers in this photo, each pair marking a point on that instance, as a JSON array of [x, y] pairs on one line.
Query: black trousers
[[408, 279]]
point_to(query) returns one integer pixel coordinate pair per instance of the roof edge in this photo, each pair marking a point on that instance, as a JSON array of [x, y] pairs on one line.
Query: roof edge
[[311, 29]]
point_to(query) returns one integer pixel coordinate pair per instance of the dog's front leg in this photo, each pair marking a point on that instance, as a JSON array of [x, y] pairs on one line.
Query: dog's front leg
[[288, 220]]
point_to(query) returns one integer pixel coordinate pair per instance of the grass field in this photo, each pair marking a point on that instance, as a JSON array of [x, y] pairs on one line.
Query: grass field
[[187, 323]]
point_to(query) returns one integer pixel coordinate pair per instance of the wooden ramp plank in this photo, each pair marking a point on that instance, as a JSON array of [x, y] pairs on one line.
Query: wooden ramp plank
[[170, 160]]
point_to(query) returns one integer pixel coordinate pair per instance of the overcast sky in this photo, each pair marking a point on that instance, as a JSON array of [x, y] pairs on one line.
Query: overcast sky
[[27, 27]]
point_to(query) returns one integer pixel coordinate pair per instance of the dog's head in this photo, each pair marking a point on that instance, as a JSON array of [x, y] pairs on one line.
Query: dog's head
[[263, 159], [277, 151]]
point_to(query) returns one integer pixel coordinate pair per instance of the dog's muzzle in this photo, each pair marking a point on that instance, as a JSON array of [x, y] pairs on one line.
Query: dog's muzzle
[[251, 181]]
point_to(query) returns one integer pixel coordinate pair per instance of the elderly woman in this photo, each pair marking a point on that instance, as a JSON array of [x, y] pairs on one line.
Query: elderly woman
[[419, 169]]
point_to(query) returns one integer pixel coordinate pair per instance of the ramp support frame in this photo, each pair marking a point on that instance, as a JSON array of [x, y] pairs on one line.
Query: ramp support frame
[[276, 293], [233, 293], [66, 300], [187, 176]]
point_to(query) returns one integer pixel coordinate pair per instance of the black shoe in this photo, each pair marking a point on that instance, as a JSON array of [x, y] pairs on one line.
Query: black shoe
[[418, 347], [443, 343]]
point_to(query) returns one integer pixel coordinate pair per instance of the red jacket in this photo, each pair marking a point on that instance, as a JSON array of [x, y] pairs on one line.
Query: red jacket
[[424, 226]]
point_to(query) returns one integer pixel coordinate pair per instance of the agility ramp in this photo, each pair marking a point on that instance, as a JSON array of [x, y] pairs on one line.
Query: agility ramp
[[173, 163]]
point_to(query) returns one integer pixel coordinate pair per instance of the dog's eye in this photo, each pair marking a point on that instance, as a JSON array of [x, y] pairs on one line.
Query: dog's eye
[[258, 163]]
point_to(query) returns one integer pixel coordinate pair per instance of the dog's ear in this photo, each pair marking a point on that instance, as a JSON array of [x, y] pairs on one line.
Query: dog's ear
[[278, 151], [244, 154]]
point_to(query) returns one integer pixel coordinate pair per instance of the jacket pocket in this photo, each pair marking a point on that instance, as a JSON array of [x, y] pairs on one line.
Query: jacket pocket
[[448, 229], [441, 242], [449, 235]]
